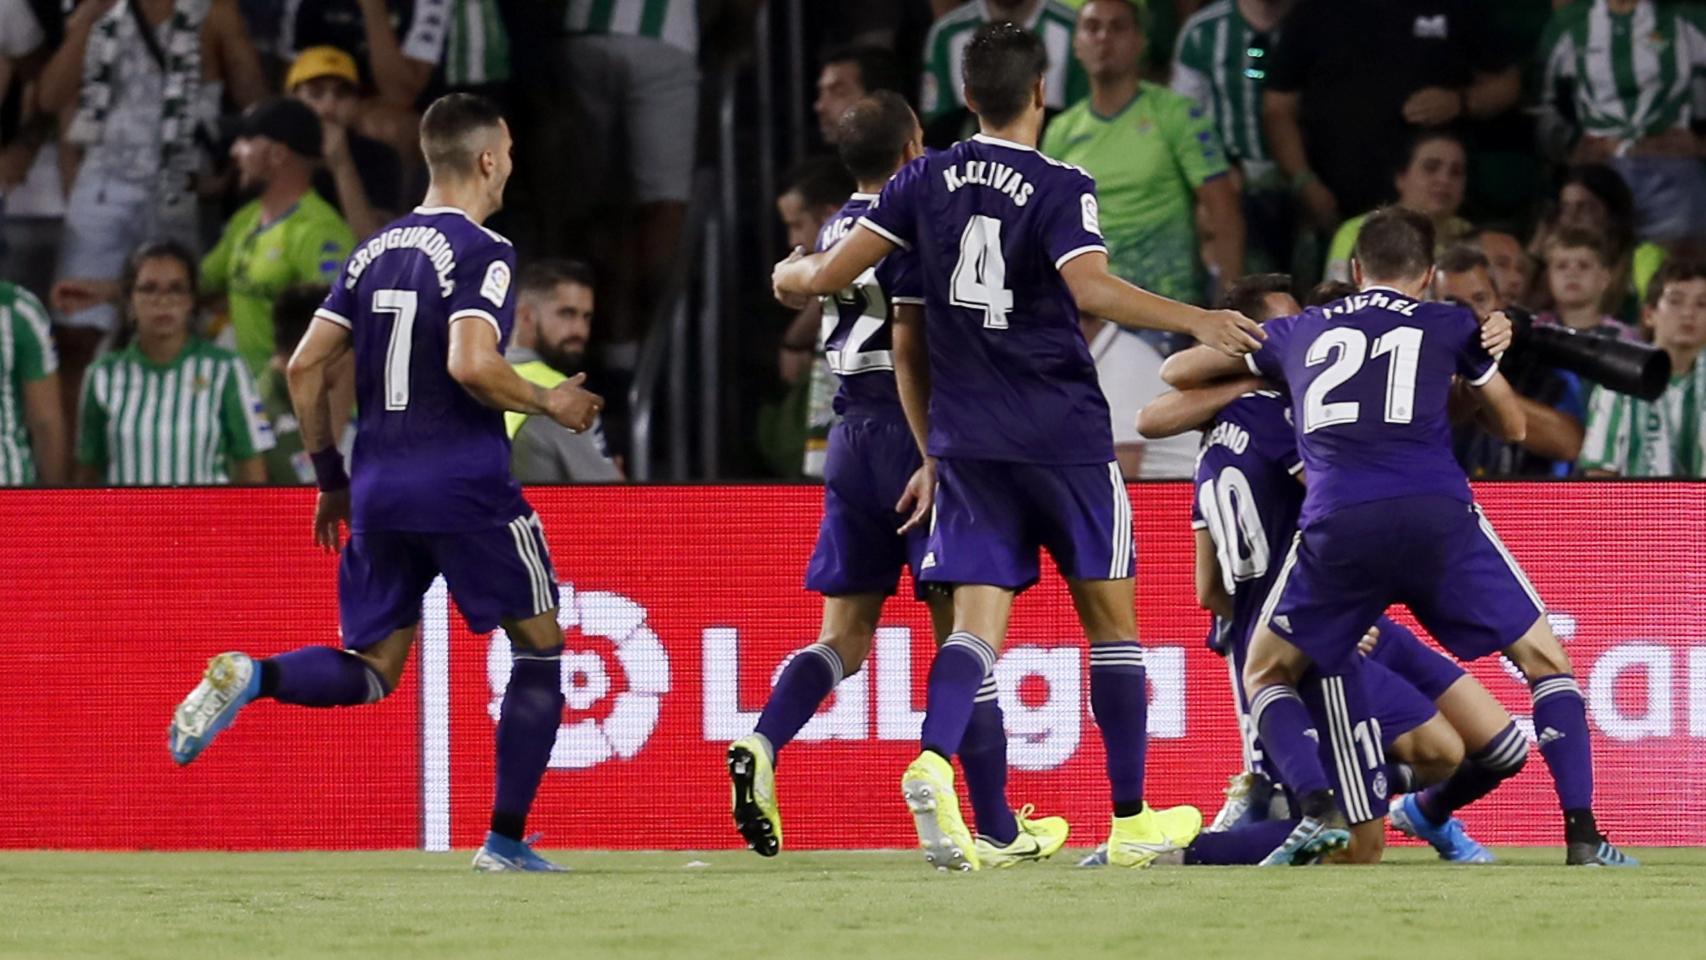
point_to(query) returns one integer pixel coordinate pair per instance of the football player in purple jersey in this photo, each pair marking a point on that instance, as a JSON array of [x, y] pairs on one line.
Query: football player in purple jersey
[[1017, 441], [426, 305]]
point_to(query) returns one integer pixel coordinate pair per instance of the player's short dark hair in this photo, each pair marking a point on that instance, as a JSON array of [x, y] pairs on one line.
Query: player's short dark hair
[[448, 126], [820, 182], [1395, 244], [1463, 258], [1000, 69], [873, 133], [1576, 238], [1674, 270], [1327, 291], [541, 277], [879, 69], [1249, 295]]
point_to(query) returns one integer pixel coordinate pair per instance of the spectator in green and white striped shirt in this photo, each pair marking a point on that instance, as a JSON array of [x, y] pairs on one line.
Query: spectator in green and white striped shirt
[[168, 407], [1667, 437], [942, 101], [32, 421], [1628, 67]]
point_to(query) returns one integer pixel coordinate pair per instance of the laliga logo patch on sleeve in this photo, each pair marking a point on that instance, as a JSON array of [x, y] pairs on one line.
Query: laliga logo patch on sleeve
[[1092, 217], [496, 285]]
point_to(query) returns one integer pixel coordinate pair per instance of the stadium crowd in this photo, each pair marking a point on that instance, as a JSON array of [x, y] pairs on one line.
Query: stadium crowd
[[181, 179]]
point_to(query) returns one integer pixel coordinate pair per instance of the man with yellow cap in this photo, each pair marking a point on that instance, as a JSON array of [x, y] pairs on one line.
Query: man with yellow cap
[[361, 176]]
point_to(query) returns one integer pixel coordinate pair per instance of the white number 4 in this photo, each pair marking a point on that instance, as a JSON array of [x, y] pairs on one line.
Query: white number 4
[[980, 276]]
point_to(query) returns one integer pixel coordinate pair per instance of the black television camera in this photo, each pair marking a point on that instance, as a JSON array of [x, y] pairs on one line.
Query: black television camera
[[1639, 369]]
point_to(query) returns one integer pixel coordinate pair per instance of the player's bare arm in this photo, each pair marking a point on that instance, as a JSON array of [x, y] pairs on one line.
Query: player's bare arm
[[310, 381], [476, 364], [1211, 588], [912, 381], [1181, 411], [1195, 367], [821, 274], [1101, 294], [1502, 409]]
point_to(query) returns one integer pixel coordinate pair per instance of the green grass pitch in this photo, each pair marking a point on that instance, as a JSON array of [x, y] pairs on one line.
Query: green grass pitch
[[820, 906]]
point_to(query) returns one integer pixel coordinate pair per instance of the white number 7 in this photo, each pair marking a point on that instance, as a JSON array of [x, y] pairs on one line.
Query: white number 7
[[401, 305]]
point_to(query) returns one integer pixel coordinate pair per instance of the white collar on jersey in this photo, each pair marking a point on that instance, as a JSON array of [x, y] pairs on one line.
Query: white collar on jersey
[[435, 211], [997, 141], [863, 196]]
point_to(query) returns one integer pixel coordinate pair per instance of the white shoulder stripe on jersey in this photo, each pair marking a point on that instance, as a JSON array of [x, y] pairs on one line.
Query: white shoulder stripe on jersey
[[334, 317], [1079, 251], [919, 301], [1295, 468], [465, 314], [879, 231], [1250, 361], [1481, 380]]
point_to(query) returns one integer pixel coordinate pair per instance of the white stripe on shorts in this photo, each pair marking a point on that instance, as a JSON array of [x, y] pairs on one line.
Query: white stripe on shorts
[[520, 530], [1119, 565], [1343, 735], [1510, 561], [1275, 591]]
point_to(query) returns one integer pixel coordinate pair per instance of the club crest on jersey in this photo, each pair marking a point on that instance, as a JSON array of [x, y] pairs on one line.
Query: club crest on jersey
[[496, 285]]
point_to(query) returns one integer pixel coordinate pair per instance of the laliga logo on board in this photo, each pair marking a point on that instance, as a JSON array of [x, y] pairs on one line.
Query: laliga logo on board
[[631, 715]]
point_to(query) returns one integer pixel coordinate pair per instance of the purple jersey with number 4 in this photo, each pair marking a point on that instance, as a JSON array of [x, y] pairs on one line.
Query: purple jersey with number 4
[[992, 223], [857, 336], [428, 456], [1369, 377]]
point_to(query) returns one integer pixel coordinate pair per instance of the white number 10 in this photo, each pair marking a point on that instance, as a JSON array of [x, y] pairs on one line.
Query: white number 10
[[401, 305], [1349, 350]]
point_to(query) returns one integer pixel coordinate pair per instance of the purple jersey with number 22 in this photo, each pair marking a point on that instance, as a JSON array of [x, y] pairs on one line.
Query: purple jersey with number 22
[[992, 223]]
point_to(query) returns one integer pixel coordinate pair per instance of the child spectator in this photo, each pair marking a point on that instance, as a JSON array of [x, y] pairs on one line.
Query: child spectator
[[1578, 272]]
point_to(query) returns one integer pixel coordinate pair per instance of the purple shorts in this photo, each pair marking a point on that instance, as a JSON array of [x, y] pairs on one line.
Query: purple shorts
[[858, 551], [992, 517], [1437, 555], [494, 575], [1420, 666], [1353, 750], [1397, 705]]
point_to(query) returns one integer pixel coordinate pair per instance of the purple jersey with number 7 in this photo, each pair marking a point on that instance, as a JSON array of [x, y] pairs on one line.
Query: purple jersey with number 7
[[992, 223], [428, 456], [1369, 377]]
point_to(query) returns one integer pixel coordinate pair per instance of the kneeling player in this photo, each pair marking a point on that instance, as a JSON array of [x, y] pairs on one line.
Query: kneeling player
[[1389, 517], [859, 555]]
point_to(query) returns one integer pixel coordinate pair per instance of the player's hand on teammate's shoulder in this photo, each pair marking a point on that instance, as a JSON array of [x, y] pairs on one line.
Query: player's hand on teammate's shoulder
[[572, 405], [331, 510], [1370, 639], [1230, 332], [778, 273], [1496, 333], [919, 497]]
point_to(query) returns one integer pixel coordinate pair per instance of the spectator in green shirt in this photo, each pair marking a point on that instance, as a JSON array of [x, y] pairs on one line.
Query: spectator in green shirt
[[32, 421], [1155, 155], [1629, 437], [1431, 181], [167, 407], [287, 235], [942, 99]]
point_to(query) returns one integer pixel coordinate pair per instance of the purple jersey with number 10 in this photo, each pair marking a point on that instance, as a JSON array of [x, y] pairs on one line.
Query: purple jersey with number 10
[[428, 456], [857, 336], [992, 223], [1369, 377]]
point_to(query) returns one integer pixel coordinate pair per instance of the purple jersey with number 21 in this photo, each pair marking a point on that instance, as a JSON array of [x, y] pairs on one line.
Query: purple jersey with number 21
[[1369, 377], [992, 223]]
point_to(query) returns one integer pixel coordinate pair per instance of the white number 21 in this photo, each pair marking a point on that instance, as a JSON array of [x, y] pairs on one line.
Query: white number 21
[[1348, 349]]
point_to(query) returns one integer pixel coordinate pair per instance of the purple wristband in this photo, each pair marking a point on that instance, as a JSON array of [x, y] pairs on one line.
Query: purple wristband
[[329, 470]]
